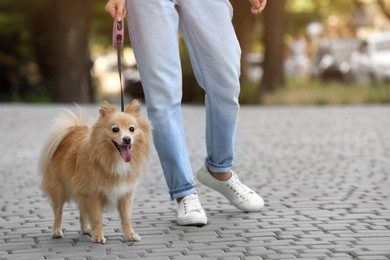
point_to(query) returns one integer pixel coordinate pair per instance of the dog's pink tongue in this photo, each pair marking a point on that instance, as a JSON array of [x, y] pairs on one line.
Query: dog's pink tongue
[[125, 153]]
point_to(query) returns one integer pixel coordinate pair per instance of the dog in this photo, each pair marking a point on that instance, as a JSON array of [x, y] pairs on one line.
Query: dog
[[96, 166]]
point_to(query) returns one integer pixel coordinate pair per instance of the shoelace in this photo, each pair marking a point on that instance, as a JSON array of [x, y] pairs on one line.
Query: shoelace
[[191, 203], [240, 189]]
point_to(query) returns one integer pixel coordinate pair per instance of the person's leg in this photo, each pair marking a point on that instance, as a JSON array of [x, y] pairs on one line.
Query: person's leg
[[215, 55], [153, 26]]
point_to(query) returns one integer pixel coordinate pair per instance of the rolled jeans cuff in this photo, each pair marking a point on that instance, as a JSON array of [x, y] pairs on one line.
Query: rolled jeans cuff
[[183, 191]]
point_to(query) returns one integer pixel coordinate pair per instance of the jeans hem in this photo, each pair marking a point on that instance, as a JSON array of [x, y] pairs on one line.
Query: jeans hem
[[217, 168], [182, 192]]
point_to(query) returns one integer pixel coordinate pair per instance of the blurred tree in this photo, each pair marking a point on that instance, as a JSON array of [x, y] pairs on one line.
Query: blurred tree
[[384, 5], [14, 49], [243, 22], [72, 58], [325, 8], [62, 31], [57, 37], [274, 28]]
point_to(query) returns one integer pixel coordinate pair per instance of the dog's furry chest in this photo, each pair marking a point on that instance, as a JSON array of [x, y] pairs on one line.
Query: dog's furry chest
[[115, 193], [121, 181], [122, 169]]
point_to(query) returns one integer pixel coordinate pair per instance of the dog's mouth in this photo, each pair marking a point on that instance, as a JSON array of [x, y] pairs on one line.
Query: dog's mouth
[[124, 151]]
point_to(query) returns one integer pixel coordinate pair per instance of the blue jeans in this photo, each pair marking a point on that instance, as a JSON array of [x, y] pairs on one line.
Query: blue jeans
[[154, 26]]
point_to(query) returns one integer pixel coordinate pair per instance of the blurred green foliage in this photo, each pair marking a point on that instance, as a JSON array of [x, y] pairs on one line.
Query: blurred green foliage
[[24, 34]]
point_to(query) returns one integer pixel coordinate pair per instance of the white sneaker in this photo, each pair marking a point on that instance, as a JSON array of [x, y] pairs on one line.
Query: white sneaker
[[190, 212], [237, 193]]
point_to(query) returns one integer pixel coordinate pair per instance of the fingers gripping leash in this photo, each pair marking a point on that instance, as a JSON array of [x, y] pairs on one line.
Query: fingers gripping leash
[[117, 43]]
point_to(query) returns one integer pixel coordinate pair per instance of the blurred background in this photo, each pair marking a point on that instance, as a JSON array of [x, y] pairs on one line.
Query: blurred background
[[296, 52]]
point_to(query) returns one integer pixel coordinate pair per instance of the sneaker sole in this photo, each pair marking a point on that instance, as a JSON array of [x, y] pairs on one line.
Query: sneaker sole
[[192, 221]]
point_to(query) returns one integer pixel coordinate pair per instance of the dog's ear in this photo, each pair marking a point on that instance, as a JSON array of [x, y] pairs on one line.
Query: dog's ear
[[106, 108], [134, 107]]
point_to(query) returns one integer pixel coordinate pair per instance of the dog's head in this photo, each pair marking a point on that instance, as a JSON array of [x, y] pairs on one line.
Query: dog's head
[[125, 133]]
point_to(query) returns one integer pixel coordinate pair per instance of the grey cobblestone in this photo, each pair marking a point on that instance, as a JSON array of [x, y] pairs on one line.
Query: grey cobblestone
[[323, 172]]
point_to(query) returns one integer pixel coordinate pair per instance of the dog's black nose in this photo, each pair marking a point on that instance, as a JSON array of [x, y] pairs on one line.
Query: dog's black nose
[[126, 140]]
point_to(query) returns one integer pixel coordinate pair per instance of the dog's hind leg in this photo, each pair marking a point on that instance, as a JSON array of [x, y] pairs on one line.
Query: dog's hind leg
[[57, 208], [84, 222], [58, 197]]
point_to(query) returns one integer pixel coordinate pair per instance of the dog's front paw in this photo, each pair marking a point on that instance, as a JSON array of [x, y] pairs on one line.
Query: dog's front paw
[[133, 237], [99, 239], [57, 233]]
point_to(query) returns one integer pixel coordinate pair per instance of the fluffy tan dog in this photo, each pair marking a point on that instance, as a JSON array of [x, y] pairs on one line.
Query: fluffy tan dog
[[96, 166]]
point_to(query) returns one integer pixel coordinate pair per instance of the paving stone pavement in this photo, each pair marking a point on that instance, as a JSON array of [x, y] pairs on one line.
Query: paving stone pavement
[[323, 172]]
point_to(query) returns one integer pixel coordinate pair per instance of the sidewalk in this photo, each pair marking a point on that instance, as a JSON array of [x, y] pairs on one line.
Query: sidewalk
[[324, 173]]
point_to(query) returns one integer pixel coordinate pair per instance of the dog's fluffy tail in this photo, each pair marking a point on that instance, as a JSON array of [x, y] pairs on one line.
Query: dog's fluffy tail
[[60, 129]]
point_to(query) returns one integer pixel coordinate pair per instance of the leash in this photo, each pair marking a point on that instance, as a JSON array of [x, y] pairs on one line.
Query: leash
[[117, 43]]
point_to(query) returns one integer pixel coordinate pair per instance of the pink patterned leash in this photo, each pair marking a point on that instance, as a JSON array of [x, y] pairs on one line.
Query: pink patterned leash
[[117, 43]]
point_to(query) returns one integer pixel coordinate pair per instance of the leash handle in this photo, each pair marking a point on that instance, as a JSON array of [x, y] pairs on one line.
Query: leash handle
[[117, 43], [118, 34]]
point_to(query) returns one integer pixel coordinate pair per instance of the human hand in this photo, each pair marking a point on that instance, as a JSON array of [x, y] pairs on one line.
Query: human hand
[[257, 6], [117, 9]]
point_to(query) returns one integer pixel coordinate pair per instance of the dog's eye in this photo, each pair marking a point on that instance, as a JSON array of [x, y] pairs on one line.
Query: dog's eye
[[115, 129], [131, 129]]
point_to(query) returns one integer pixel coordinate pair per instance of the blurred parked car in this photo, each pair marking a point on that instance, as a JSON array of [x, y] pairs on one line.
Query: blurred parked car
[[332, 60], [371, 62], [133, 85]]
